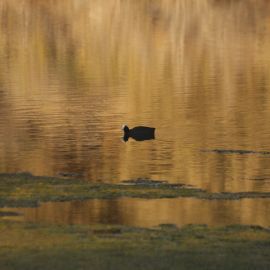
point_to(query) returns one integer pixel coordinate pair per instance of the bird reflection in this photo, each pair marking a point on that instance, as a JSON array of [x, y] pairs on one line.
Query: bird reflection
[[139, 133]]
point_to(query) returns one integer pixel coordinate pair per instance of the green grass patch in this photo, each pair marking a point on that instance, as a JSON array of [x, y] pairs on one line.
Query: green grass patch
[[32, 246], [25, 190]]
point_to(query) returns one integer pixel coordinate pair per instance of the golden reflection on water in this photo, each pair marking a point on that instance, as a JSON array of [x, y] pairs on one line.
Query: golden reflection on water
[[149, 213], [72, 72]]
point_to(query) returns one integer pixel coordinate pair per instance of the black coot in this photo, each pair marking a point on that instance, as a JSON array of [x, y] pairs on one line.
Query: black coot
[[139, 133]]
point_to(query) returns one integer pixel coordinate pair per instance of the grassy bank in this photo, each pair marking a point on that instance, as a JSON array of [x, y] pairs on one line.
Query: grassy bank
[[25, 190], [29, 246]]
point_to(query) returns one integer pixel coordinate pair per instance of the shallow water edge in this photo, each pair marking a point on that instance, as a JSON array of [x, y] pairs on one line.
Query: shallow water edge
[[26, 190]]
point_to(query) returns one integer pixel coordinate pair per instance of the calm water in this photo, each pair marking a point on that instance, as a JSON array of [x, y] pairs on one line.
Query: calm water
[[149, 213], [72, 72]]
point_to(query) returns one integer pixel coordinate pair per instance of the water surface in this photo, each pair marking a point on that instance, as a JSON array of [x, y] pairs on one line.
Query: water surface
[[73, 72], [149, 213]]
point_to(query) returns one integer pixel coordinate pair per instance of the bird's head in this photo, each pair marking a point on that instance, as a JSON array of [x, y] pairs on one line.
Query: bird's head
[[125, 128]]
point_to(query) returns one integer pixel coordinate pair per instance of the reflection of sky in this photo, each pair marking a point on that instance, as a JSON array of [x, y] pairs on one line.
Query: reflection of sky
[[72, 74]]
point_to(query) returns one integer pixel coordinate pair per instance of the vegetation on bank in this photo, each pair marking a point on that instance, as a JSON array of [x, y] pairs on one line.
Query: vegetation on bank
[[32, 246], [25, 190], [42, 246]]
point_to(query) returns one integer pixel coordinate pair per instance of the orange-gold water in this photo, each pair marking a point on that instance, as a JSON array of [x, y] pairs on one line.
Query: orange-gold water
[[72, 72]]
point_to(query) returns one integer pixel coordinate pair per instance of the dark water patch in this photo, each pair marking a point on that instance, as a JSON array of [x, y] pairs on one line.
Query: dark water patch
[[150, 182], [106, 231], [259, 179], [236, 151], [9, 214], [70, 174]]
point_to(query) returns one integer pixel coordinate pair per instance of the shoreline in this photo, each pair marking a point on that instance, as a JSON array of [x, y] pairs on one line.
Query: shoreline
[[26, 190], [30, 245]]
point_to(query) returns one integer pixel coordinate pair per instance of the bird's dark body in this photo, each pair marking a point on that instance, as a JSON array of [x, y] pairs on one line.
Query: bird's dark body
[[140, 133]]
